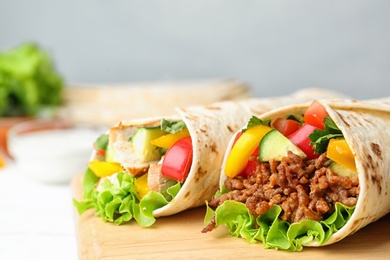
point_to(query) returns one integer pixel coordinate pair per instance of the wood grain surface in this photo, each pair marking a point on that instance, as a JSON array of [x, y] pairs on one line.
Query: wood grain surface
[[180, 237]]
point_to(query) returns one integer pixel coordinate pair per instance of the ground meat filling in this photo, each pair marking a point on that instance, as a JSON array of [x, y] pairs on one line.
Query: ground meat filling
[[305, 189]]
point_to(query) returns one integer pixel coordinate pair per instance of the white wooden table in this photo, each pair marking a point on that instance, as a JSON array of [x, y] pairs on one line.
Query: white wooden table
[[36, 220]]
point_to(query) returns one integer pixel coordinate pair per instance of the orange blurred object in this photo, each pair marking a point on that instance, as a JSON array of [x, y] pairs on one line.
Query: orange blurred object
[[2, 161]]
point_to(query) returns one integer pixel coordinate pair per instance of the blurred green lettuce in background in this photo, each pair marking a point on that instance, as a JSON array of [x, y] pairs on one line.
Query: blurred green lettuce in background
[[28, 81]]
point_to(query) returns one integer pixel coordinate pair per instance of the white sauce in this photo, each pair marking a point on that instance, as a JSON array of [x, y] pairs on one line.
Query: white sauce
[[53, 156], [52, 142]]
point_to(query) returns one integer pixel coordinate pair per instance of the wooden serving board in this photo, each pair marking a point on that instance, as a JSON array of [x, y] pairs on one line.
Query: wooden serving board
[[180, 237]]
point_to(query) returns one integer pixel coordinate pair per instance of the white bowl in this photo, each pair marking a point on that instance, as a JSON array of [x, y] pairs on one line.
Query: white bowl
[[50, 151]]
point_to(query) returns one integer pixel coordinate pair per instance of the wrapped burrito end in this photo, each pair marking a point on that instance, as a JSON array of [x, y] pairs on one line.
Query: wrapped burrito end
[[287, 199]]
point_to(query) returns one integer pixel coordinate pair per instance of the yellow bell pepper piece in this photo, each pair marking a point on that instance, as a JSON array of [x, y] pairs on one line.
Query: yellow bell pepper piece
[[243, 148], [2, 162], [102, 169], [339, 151], [141, 186], [166, 141]]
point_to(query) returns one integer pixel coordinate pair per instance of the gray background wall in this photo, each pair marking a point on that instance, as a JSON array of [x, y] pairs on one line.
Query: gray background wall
[[275, 46]]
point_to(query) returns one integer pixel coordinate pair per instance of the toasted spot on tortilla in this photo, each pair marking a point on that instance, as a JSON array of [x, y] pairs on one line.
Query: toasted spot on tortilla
[[370, 162], [353, 116], [377, 150], [196, 178], [377, 180], [199, 174], [368, 121], [358, 223], [192, 117], [214, 147], [204, 131], [187, 195], [342, 119], [230, 129], [355, 225]]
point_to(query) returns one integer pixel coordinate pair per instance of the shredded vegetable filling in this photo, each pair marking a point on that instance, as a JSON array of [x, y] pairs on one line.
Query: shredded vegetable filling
[[305, 189]]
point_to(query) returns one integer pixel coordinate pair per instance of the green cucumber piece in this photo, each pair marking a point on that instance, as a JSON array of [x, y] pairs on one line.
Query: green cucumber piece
[[144, 150], [110, 154], [275, 145], [342, 170]]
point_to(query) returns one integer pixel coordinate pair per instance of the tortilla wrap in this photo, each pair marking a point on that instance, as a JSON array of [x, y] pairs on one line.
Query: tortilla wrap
[[210, 127], [364, 125]]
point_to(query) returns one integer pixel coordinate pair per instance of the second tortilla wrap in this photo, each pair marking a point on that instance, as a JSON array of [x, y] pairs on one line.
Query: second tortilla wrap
[[210, 128], [364, 125]]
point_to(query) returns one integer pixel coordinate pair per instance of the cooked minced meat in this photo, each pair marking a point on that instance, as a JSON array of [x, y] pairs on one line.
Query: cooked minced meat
[[305, 189]]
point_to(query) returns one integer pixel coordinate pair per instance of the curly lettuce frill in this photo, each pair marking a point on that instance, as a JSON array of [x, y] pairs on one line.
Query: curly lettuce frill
[[273, 232], [117, 202]]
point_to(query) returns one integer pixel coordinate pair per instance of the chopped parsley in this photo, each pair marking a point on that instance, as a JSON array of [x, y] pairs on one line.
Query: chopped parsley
[[256, 121], [320, 138], [172, 126]]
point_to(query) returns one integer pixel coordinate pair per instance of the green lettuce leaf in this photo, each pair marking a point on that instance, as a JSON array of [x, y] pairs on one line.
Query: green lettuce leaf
[[273, 232], [28, 81], [320, 138], [89, 183], [116, 201]]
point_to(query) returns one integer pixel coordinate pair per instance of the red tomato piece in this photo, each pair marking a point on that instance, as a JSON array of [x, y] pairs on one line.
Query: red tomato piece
[[178, 159], [251, 166], [98, 151], [286, 126], [315, 115], [301, 139]]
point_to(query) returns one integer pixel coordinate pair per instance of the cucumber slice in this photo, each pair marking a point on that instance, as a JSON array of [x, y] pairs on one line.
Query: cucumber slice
[[144, 150], [275, 145], [110, 154], [342, 170]]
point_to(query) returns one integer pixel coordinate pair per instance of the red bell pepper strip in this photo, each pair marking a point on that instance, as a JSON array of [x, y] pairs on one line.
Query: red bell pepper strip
[[178, 159], [251, 166]]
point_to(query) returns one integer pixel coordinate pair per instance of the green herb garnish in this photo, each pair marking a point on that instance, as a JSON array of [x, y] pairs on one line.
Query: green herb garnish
[[172, 126], [256, 121], [320, 138]]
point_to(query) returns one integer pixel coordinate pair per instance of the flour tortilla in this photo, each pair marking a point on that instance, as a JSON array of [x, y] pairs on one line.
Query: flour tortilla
[[365, 126], [211, 127]]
